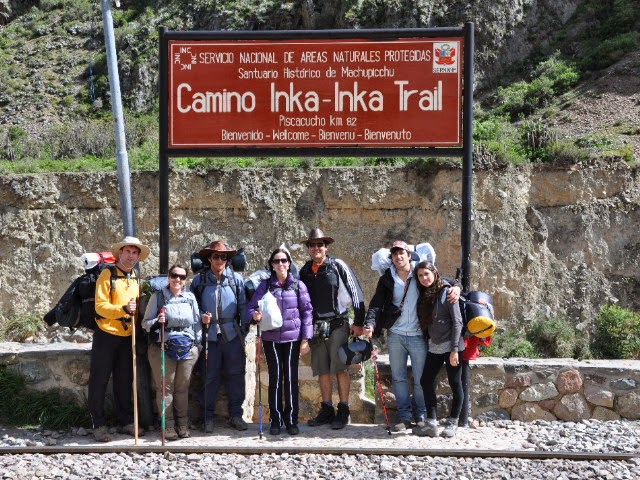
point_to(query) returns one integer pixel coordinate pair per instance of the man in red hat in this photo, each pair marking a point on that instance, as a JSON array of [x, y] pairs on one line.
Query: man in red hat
[[223, 305], [333, 288]]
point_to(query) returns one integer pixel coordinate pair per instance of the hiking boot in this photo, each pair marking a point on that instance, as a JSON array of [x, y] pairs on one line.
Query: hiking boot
[[101, 434], [293, 430], [130, 430], [183, 431], [238, 423], [208, 426], [450, 427], [428, 428], [325, 416], [274, 430], [342, 417], [170, 434], [402, 426]]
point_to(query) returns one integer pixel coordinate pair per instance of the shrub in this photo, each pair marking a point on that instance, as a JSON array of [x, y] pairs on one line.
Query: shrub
[[510, 343], [557, 337], [617, 333], [610, 51]]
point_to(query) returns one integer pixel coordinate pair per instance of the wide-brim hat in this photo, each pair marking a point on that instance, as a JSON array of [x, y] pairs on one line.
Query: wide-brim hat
[[131, 242], [317, 234], [217, 246]]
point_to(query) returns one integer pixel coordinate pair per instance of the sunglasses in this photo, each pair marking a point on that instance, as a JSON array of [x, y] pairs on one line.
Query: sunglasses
[[279, 260], [315, 245], [177, 275], [218, 257]]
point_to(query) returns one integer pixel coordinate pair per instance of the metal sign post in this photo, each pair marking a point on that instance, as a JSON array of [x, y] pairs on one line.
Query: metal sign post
[[124, 175]]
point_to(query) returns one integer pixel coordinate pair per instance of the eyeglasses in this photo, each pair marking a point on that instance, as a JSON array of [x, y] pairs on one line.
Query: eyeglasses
[[177, 275], [315, 245], [280, 260], [219, 257]]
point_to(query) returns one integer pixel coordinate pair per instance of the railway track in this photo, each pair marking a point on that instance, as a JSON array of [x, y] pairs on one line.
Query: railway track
[[300, 450]]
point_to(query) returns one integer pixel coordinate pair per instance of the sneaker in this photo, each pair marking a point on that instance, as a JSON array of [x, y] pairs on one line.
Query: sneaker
[[450, 428], [325, 415], [238, 423], [170, 434], [293, 430], [130, 430], [183, 431], [208, 426], [402, 426], [101, 434], [428, 428], [342, 417]]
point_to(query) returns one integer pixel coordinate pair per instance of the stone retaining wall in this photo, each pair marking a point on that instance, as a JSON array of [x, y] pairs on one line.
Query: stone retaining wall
[[520, 389]]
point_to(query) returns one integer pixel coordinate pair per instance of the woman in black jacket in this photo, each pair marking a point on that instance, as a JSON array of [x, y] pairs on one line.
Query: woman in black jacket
[[442, 323]]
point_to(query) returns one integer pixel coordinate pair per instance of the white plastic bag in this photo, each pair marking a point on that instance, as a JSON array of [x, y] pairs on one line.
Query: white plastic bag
[[381, 260], [271, 315]]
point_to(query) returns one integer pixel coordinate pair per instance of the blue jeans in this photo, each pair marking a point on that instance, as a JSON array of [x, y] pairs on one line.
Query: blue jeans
[[401, 348]]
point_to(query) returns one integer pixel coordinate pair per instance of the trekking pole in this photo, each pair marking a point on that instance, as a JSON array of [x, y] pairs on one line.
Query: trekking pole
[[204, 382], [258, 338], [374, 357], [163, 417], [135, 376]]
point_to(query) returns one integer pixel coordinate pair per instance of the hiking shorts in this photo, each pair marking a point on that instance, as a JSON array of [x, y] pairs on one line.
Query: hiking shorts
[[324, 354]]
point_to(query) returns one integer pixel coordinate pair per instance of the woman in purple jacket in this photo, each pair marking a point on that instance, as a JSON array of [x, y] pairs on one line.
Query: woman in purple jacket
[[283, 346]]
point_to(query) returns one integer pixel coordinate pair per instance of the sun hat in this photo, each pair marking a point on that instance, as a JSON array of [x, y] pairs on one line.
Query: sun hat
[[317, 234], [217, 246], [131, 242]]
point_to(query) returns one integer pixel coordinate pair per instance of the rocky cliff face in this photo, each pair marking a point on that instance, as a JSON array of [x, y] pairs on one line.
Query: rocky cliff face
[[546, 240]]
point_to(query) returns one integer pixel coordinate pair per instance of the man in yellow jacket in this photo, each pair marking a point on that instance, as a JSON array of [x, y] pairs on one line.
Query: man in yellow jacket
[[111, 353]]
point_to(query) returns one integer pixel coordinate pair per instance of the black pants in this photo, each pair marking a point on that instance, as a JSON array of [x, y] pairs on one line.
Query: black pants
[[466, 380], [428, 382], [282, 363], [110, 355]]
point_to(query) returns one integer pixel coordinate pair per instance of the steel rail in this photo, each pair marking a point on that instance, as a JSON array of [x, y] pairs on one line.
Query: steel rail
[[337, 450]]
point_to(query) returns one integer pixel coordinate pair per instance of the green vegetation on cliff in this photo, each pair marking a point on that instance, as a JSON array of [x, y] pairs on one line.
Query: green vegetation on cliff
[[55, 112]]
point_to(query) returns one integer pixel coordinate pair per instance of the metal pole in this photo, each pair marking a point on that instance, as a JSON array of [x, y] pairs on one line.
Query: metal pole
[[124, 175], [163, 177], [467, 156]]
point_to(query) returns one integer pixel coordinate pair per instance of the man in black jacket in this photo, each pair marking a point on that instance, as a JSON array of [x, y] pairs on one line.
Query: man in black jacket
[[333, 289]]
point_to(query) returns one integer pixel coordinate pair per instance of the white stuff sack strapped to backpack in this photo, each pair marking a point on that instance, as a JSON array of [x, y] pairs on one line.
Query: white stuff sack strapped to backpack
[[381, 260], [271, 315]]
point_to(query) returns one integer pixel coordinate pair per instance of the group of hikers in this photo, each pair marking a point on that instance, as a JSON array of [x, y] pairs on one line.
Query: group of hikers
[[416, 306]]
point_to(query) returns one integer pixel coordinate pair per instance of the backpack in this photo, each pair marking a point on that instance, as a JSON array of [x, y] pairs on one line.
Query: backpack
[[477, 314], [77, 307], [203, 284]]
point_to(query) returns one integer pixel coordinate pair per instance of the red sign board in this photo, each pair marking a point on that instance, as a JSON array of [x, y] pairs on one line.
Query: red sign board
[[404, 92]]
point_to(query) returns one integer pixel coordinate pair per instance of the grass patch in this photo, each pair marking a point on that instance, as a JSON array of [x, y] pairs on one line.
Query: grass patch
[[16, 327], [369, 379], [25, 408]]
